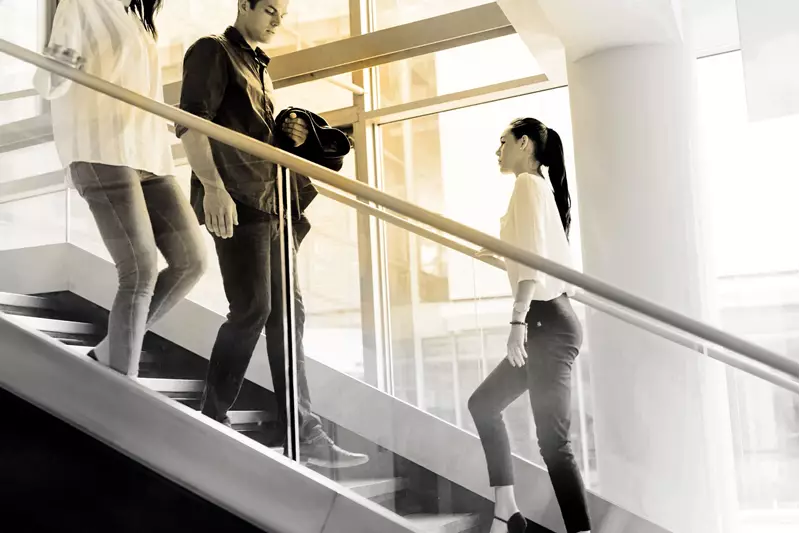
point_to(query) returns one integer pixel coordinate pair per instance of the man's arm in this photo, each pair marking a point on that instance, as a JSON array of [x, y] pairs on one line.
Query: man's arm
[[204, 81], [220, 209]]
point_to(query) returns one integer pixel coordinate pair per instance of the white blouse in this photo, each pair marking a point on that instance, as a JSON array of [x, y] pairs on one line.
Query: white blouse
[[533, 223], [90, 126]]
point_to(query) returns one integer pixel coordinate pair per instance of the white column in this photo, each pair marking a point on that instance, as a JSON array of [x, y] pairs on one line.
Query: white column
[[661, 420]]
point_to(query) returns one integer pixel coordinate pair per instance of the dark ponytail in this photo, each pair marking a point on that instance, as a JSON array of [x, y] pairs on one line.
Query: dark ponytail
[[146, 11], [549, 152]]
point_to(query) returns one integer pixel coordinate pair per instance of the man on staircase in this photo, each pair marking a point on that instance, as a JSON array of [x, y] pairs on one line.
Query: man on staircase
[[234, 194]]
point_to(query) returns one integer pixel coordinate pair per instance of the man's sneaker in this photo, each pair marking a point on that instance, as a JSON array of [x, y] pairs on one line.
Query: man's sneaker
[[323, 452]]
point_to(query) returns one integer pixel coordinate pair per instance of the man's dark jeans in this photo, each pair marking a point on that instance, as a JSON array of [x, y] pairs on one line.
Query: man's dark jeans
[[250, 263]]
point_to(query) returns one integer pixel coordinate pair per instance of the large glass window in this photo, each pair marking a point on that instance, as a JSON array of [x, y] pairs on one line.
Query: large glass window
[[15, 76], [751, 170], [23, 26], [457, 69], [390, 13], [308, 23]]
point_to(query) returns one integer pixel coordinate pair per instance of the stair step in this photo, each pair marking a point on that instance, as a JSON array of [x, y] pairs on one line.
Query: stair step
[[24, 300], [83, 350], [146, 358], [27, 132], [248, 429], [443, 523], [49, 325], [374, 488], [78, 342], [173, 385], [248, 417]]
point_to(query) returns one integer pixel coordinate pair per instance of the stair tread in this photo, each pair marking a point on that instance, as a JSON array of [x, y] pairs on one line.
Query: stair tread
[[83, 350], [54, 325], [372, 488], [24, 300], [76, 343], [242, 416], [173, 385]]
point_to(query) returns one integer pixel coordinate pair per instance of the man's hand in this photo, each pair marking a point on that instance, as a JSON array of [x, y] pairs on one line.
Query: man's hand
[[220, 210], [296, 129]]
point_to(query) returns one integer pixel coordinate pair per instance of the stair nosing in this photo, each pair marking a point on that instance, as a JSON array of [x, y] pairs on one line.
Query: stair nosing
[[27, 301], [243, 416], [173, 384], [52, 325], [457, 521], [374, 488]]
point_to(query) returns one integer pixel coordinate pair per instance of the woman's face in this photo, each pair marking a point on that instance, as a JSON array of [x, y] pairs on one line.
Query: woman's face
[[512, 155]]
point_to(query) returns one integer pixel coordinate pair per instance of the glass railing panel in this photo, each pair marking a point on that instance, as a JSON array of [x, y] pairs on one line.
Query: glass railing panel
[[33, 221], [14, 108], [764, 421], [83, 231], [659, 427], [330, 270], [431, 313], [37, 155]]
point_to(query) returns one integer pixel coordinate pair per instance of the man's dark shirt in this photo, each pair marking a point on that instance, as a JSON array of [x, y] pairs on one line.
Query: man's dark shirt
[[226, 82]]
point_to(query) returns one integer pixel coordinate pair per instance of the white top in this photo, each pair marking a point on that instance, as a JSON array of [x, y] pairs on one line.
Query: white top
[[533, 223], [90, 126]]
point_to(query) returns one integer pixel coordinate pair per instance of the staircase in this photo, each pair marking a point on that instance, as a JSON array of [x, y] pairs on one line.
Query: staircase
[[410, 491]]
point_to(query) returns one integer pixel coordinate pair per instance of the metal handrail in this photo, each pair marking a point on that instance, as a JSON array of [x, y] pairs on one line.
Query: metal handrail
[[679, 337], [247, 144]]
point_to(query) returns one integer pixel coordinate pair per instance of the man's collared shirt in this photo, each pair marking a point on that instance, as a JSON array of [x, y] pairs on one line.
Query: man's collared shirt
[[226, 82]]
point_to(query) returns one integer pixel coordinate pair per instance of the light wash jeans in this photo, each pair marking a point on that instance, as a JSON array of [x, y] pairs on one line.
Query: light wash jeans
[[137, 214]]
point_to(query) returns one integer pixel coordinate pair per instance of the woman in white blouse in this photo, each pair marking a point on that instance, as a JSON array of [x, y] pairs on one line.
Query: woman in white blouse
[[120, 162], [545, 333]]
